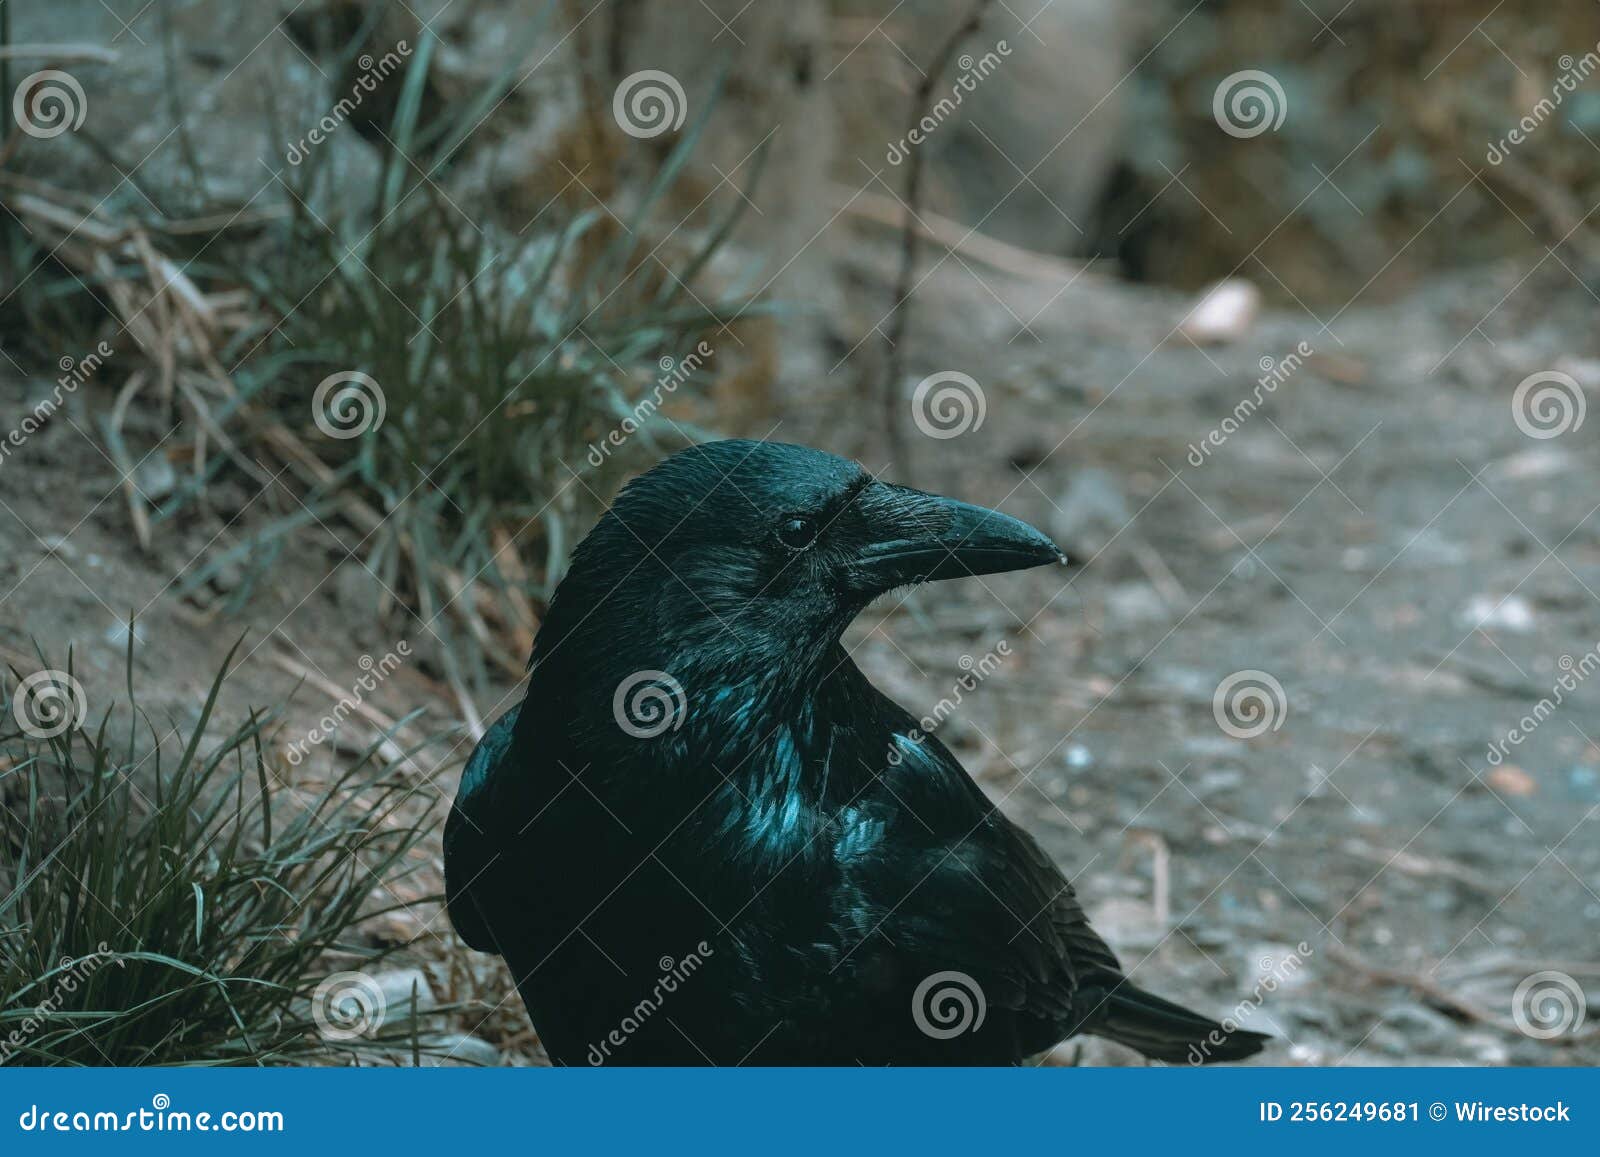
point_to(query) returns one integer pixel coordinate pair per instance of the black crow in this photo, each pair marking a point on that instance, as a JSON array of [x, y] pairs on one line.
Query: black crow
[[705, 837]]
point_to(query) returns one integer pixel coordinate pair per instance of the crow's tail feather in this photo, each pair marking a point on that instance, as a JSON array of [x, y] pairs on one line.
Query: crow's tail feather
[[1165, 1031]]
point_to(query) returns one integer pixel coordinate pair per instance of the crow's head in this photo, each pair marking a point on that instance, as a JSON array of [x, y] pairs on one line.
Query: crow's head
[[739, 546]]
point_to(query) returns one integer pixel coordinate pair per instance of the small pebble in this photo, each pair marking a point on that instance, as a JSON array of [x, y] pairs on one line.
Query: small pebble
[[1487, 612], [155, 478], [1224, 313], [117, 634]]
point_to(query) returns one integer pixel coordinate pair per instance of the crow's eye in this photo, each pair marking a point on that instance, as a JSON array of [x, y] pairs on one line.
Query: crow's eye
[[797, 532]]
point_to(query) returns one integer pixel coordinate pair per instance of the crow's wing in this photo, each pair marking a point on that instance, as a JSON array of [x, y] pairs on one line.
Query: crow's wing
[[983, 898], [468, 839], [992, 904]]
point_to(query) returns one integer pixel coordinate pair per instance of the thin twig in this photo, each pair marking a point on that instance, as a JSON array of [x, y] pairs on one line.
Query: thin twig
[[386, 726], [909, 237], [59, 53], [125, 465], [958, 238], [1437, 994]]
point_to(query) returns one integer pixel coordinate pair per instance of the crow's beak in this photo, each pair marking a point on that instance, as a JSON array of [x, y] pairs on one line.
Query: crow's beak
[[923, 537]]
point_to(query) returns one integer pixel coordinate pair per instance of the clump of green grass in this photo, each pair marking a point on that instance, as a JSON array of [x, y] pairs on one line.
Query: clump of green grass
[[497, 354], [164, 901], [503, 347]]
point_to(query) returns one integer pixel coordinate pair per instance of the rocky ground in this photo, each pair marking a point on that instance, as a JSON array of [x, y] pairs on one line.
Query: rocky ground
[[1380, 560]]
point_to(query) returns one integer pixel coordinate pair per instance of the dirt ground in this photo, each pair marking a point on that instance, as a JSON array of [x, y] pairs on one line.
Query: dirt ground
[[1379, 538], [1383, 541]]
